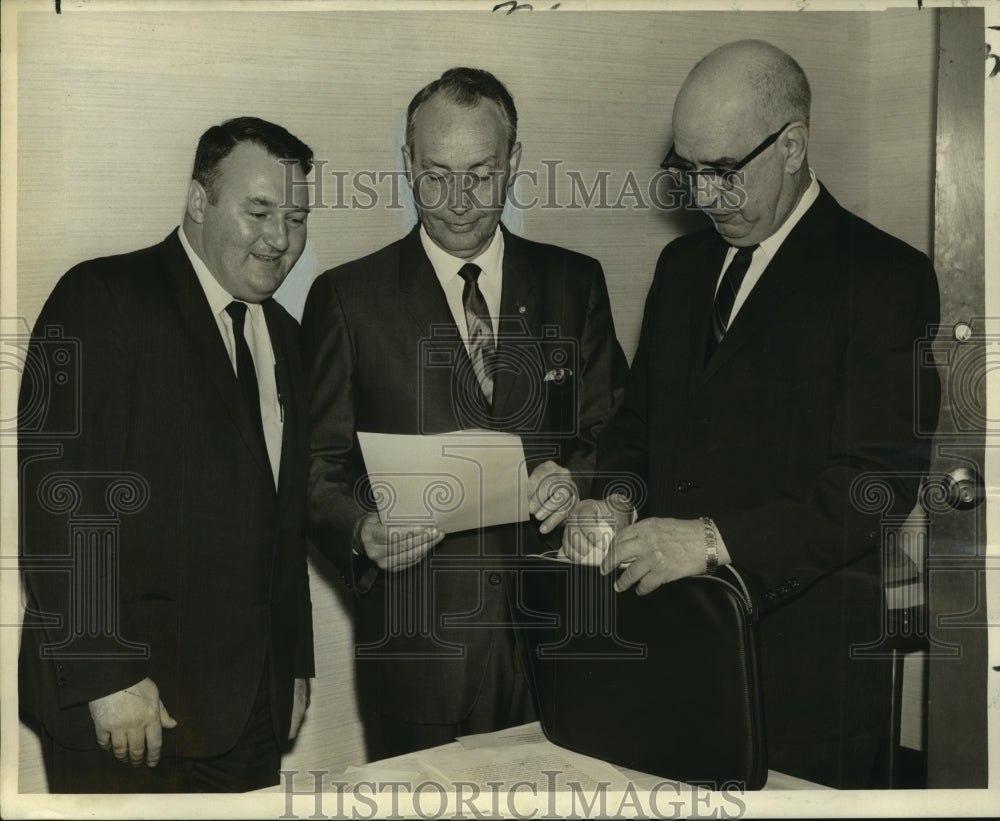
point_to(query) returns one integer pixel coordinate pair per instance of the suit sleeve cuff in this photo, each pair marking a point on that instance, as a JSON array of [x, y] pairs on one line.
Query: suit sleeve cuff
[[363, 570]]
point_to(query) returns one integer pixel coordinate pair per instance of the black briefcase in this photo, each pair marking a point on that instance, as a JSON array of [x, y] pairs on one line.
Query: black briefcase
[[667, 683]]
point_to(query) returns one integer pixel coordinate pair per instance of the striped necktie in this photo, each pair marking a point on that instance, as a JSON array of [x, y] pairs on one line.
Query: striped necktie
[[477, 320]]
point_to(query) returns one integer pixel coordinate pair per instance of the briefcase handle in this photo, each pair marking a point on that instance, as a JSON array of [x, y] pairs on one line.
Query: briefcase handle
[[727, 574], [730, 576]]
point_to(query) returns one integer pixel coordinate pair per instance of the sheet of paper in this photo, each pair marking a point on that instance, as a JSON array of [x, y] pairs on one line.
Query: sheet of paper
[[458, 481], [409, 771], [524, 734], [524, 762]]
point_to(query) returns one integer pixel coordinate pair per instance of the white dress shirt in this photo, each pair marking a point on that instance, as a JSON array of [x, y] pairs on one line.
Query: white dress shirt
[[768, 247], [447, 267], [761, 257], [259, 341]]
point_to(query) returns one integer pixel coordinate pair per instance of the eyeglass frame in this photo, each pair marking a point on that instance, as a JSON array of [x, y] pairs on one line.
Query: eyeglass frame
[[725, 174]]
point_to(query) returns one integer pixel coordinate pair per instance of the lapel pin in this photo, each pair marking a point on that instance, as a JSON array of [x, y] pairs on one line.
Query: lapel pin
[[521, 309]]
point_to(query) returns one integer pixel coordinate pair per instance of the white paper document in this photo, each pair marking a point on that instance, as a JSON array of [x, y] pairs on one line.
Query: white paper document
[[457, 481], [524, 734], [523, 763]]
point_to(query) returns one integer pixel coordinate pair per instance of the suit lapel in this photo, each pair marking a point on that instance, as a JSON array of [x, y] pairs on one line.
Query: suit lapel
[[206, 350], [423, 296], [433, 327], [700, 308], [784, 276], [520, 318], [289, 391]]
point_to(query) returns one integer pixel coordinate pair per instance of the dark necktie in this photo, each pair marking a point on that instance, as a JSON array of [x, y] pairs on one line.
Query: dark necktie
[[245, 371], [725, 298], [477, 320]]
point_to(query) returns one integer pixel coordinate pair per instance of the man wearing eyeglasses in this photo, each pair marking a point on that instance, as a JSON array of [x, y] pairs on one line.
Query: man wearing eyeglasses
[[775, 379]]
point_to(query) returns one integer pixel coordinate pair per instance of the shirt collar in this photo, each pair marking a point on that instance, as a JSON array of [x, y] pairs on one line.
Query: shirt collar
[[771, 245], [218, 297], [447, 266]]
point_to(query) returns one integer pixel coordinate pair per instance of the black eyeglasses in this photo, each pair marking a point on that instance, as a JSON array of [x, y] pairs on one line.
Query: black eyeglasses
[[727, 176]]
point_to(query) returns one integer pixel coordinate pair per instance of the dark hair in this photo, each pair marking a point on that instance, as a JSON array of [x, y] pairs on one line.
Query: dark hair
[[219, 141], [466, 87]]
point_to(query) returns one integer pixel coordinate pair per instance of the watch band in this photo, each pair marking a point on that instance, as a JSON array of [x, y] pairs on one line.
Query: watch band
[[711, 546]]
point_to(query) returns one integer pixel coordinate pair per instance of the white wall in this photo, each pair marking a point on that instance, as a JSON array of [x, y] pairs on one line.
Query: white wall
[[110, 106]]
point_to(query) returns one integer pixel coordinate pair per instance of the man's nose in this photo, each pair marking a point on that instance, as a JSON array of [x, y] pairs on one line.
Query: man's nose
[[460, 192], [276, 233], [709, 190]]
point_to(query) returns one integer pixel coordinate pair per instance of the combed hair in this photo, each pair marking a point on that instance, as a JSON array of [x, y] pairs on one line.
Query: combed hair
[[466, 87], [218, 142]]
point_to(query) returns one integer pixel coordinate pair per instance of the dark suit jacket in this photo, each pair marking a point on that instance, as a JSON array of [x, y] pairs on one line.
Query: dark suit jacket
[[151, 433], [814, 387], [382, 352]]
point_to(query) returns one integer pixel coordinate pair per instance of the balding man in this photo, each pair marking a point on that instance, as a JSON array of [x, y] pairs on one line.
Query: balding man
[[775, 372]]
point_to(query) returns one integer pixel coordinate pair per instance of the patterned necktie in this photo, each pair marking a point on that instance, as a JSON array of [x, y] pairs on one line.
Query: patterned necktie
[[477, 320], [245, 371]]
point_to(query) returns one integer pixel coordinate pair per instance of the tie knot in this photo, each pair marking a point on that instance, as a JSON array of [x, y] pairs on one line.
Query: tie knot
[[744, 254], [237, 311], [470, 272]]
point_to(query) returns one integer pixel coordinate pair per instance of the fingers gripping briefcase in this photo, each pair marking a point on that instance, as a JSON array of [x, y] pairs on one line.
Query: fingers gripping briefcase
[[667, 683]]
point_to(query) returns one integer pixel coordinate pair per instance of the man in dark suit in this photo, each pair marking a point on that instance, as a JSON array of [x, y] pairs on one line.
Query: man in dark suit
[[461, 324], [165, 482], [766, 404]]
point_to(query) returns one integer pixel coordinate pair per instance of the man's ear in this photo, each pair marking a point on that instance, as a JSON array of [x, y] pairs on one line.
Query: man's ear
[[514, 162], [197, 201], [408, 163], [795, 142]]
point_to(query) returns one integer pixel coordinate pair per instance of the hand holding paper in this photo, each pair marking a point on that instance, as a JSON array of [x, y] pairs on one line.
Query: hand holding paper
[[552, 494], [590, 530], [397, 547], [592, 526]]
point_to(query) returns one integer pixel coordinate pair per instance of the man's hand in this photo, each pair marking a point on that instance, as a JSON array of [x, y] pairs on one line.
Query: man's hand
[[657, 551], [395, 548], [130, 723], [552, 494], [590, 531], [300, 703]]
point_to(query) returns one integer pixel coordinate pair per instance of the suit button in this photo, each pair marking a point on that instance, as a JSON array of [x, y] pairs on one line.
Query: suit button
[[61, 682], [683, 486], [494, 579]]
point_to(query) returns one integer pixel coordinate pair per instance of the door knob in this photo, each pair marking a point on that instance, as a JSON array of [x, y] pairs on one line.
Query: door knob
[[963, 488]]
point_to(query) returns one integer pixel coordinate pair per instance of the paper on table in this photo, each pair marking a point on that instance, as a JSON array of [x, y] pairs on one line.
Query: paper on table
[[523, 763], [462, 480], [523, 734]]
